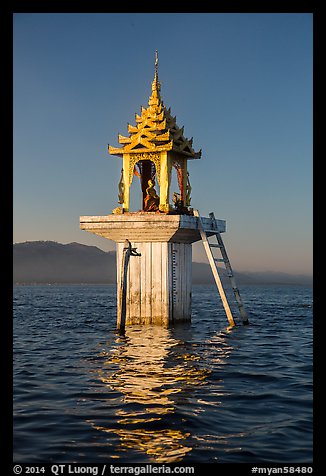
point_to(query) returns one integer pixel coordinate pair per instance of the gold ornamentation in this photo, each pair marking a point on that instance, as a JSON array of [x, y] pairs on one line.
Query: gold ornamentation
[[132, 162], [151, 201], [165, 207], [155, 137], [156, 129], [152, 156], [117, 211], [121, 188]]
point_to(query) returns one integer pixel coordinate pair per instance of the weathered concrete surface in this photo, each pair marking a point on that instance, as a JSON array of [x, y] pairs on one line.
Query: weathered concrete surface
[[158, 281], [148, 227]]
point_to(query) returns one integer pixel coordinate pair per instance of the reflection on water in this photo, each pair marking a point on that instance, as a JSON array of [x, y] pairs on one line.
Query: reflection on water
[[163, 446], [155, 371], [193, 393]]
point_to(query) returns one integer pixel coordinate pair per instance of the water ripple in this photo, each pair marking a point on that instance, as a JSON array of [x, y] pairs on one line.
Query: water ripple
[[199, 392]]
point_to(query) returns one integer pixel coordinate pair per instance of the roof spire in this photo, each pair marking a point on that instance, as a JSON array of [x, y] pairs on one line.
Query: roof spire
[[156, 130], [156, 66], [156, 84]]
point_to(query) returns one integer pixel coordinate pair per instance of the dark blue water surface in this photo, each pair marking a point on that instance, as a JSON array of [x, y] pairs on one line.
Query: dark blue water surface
[[199, 392]]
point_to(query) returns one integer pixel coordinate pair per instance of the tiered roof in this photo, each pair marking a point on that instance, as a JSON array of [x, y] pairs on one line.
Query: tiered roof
[[155, 130]]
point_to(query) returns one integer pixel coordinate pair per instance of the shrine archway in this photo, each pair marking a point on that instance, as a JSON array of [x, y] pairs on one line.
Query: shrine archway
[[144, 171]]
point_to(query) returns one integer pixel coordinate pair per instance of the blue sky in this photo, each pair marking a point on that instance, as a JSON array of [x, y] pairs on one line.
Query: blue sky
[[240, 84]]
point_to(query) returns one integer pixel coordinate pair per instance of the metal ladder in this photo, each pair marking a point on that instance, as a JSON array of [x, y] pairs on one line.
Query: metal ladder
[[213, 263]]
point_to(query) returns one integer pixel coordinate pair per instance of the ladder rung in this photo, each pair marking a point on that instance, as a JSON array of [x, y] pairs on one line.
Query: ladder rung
[[219, 260], [213, 260]]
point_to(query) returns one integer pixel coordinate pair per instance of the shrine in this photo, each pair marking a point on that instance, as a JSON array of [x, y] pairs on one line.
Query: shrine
[[155, 145], [154, 252]]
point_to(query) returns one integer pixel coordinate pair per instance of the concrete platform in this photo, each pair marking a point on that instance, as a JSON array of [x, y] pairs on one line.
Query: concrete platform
[[148, 227], [158, 281]]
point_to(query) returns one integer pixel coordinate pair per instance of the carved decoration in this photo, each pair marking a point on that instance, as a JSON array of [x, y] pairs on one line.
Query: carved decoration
[[165, 207], [154, 135], [132, 163], [153, 156], [177, 164], [121, 188], [177, 202], [156, 130], [117, 211], [188, 191]]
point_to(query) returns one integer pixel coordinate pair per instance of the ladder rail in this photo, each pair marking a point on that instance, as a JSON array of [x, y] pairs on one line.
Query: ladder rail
[[235, 288], [225, 259], [214, 270]]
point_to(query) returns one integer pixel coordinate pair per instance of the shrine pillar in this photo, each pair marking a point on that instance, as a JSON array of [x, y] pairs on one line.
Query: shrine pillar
[[165, 180], [126, 182]]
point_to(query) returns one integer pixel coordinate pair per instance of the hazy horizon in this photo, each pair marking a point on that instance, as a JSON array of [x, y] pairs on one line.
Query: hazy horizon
[[197, 257], [239, 83]]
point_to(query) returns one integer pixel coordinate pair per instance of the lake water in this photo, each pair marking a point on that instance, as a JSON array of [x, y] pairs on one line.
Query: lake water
[[199, 392]]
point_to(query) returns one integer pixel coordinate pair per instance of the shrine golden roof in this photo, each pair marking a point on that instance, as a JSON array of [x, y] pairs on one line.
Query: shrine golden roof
[[156, 129]]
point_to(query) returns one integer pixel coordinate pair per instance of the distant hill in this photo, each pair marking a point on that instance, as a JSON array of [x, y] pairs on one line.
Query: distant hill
[[202, 274], [273, 277], [52, 262]]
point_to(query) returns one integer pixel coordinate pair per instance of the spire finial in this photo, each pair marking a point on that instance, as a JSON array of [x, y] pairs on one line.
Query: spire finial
[[156, 66], [156, 84]]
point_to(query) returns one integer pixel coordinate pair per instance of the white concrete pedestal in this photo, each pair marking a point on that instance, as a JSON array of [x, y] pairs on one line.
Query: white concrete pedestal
[[159, 281]]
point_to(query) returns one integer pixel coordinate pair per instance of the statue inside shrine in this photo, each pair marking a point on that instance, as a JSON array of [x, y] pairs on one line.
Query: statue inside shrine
[[152, 200]]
